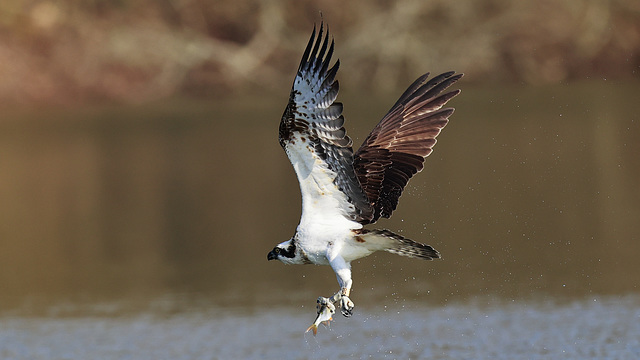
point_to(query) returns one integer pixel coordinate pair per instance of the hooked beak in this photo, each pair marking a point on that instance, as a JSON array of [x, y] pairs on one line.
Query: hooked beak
[[272, 255]]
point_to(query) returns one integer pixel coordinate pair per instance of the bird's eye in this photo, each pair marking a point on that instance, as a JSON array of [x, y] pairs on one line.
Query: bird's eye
[[277, 250]]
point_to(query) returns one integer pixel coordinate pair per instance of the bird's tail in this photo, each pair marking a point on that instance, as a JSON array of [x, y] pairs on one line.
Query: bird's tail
[[398, 244]]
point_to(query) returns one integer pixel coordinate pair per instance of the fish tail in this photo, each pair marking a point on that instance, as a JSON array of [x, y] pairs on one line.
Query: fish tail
[[313, 328]]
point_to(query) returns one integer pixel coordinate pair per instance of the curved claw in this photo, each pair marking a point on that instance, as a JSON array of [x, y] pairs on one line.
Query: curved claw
[[346, 306]]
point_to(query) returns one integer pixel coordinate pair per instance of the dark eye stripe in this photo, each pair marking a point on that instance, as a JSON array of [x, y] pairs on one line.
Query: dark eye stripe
[[290, 252]]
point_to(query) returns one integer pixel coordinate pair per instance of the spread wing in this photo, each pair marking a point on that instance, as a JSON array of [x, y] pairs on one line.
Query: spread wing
[[396, 148], [313, 136]]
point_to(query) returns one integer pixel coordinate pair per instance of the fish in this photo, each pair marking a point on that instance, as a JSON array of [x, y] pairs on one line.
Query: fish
[[325, 315]]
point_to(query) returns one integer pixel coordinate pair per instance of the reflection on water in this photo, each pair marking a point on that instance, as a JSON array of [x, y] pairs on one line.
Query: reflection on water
[[530, 192]]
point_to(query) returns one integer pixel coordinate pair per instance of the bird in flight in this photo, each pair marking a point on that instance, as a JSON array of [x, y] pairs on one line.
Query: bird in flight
[[343, 191]]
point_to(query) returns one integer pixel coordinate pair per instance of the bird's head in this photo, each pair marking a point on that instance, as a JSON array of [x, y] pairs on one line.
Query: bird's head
[[287, 252]]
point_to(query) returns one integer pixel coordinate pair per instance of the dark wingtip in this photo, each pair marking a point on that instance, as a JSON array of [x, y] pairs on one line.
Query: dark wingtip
[[307, 50], [319, 50], [456, 77]]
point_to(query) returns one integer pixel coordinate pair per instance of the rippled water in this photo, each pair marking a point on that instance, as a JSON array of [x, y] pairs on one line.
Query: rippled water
[[597, 328]]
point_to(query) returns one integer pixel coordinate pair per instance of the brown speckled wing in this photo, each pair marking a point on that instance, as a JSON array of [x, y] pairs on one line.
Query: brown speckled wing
[[397, 147]]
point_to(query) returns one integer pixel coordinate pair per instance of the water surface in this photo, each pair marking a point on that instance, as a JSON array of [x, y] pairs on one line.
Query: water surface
[[531, 196], [591, 329]]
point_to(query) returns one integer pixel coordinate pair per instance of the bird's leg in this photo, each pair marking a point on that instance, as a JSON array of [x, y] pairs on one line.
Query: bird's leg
[[343, 273], [346, 305]]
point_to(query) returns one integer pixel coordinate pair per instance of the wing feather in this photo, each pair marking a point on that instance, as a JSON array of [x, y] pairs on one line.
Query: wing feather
[[312, 134], [397, 147]]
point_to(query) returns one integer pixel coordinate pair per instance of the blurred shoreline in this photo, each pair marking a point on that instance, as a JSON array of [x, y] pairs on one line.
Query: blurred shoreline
[[138, 51]]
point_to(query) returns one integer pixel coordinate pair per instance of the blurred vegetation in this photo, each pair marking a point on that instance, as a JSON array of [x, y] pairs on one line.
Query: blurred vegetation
[[63, 51]]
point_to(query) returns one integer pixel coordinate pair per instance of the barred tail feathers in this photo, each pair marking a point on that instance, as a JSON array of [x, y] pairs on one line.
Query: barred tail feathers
[[400, 245]]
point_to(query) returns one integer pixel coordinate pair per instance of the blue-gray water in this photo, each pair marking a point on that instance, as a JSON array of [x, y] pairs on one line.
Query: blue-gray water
[[594, 328], [142, 232]]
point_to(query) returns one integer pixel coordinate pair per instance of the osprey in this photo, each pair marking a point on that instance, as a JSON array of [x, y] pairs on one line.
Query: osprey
[[341, 190]]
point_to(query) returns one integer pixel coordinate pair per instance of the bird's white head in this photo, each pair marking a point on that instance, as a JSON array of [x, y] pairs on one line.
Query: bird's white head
[[288, 252]]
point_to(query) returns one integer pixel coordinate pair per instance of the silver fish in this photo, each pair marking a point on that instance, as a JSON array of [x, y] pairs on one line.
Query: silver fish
[[325, 313]]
